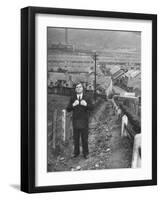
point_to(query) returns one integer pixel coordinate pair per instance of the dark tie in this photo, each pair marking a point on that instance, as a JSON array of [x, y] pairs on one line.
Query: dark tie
[[79, 99]]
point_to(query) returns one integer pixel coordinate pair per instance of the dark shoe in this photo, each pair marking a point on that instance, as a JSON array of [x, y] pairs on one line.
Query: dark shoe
[[86, 156], [75, 155]]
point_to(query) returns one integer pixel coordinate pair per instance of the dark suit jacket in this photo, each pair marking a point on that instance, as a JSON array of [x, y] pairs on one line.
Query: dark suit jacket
[[80, 113]]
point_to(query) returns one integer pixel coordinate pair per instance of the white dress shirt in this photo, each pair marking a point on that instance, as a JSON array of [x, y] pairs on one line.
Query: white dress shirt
[[79, 96]]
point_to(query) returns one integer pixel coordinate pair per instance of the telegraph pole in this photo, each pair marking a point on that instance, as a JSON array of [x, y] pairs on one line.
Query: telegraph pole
[[95, 73]]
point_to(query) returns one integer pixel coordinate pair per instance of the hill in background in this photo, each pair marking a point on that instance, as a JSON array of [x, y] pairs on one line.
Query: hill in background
[[96, 39]]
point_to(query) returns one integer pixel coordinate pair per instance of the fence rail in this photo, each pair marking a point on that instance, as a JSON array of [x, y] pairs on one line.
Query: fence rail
[[64, 91], [61, 91]]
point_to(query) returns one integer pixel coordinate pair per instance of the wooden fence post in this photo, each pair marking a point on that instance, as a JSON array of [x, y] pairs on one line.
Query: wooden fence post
[[137, 107], [64, 124], [136, 156], [124, 123], [54, 126]]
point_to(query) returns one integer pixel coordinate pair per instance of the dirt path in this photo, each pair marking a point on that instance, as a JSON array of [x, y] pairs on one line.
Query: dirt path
[[121, 151], [107, 149]]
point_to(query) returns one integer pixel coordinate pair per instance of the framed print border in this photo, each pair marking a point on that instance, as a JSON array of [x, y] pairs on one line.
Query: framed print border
[[28, 95]]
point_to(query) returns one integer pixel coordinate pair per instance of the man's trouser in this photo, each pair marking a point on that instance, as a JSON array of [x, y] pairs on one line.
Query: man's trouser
[[83, 134]]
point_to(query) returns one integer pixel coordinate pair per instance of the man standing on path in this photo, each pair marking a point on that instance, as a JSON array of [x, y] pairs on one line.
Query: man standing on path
[[80, 104]]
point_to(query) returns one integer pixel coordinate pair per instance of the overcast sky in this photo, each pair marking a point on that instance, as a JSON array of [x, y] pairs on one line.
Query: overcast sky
[[101, 39]]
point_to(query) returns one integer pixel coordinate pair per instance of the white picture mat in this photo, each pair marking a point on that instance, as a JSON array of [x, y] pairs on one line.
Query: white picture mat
[[91, 176]]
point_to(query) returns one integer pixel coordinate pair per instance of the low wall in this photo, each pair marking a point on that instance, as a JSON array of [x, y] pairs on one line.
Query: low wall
[[130, 127]]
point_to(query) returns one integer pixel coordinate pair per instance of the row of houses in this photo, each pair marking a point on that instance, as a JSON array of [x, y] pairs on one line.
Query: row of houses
[[129, 80], [67, 67], [68, 79]]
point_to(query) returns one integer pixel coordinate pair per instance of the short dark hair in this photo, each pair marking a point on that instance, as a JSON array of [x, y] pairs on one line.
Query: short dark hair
[[78, 83]]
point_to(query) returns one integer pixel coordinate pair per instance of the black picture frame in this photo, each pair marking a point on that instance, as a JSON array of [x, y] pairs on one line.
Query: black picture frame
[[28, 91]]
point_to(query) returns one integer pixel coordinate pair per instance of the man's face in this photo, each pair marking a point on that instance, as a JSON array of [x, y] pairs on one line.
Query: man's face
[[79, 88]]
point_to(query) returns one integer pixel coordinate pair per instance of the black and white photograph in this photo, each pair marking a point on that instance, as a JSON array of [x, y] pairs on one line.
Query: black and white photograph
[[93, 99], [89, 91]]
